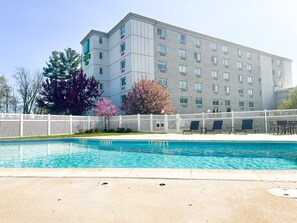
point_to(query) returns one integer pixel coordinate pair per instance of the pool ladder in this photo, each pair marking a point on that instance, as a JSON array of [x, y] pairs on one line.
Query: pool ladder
[[166, 143], [107, 142]]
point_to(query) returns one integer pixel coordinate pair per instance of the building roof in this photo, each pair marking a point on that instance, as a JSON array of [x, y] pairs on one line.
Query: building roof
[[131, 15]]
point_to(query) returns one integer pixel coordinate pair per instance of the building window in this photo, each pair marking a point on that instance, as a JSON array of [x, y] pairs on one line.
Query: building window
[[100, 70], [183, 85], [100, 39], [123, 65], [226, 62], [279, 63], [226, 76], [241, 104], [101, 86], [250, 79], [199, 101], [214, 60], [163, 82], [251, 104], [279, 73], [240, 91], [225, 49], [100, 55], [227, 103], [239, 52], [198, 86], [161, 33], [123, 48], [227, 89], [197, 71], [182, 69], [182, 54], [183, 101], [249, 67], [123, 98], [161, 49], [250, 92], [214, 74], [239, 65], [215, 102], [197, 57], [213, 46], [197, 42], [162, 66], [240, 78], [122, 31], [215, 88], [248, 55], [182, 38], [123, 81]]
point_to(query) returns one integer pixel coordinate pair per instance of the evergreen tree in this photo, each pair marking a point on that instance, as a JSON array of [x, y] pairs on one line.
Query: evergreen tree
[[62, 64]]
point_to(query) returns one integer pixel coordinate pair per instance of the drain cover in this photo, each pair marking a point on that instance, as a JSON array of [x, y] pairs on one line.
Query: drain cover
[[284, 192]]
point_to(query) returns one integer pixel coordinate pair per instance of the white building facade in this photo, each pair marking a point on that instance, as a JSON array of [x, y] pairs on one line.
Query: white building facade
[[200, 72]]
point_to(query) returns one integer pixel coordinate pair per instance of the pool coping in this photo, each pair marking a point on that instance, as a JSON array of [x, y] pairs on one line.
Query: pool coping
[[153, 173]]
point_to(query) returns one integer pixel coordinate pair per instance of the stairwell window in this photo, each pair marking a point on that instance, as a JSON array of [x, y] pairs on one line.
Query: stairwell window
[[123, 48], [122, 31], [123, 81], [123, 66]]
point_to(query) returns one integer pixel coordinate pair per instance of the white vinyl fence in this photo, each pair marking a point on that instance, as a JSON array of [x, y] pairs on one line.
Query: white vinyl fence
[[263, 121], [19, 125]]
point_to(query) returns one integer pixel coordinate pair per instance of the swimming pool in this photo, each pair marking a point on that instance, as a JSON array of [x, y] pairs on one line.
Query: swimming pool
[[83, 153]]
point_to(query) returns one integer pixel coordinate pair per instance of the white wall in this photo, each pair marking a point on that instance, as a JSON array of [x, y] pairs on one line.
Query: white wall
[[142, 48], [267, 82]]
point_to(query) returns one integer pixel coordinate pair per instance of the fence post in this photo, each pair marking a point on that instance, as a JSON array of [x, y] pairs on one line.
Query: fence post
[[21, 125], [165, 123], [120, 121], [266, 121], [151, 123], [89, 122], [48, 124], [177, 123], [138, 122], [70, 124], [232, 122], [203, 122]]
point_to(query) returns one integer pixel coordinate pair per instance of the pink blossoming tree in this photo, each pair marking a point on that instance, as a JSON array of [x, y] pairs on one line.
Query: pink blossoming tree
[[147, 97], [105, 109]]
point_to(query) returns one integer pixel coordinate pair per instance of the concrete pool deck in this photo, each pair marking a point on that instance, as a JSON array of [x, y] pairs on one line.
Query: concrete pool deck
[[148, 195]]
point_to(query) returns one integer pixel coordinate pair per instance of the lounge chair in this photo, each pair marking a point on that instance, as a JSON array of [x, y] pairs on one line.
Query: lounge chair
[[194, 126], [246, 125], [216, 126], [281, 128]]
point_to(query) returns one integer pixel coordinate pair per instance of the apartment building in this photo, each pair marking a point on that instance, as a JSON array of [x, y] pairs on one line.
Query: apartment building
[[201, 73]]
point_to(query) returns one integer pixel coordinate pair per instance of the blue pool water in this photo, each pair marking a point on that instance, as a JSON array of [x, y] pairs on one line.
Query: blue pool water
[[76, 153]]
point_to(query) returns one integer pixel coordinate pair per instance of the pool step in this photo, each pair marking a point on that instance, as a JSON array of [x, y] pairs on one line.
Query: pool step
[[105, 141], [158, 143]]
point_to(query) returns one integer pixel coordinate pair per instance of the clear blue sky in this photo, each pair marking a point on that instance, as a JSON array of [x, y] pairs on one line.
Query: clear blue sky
[[32, 29]]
